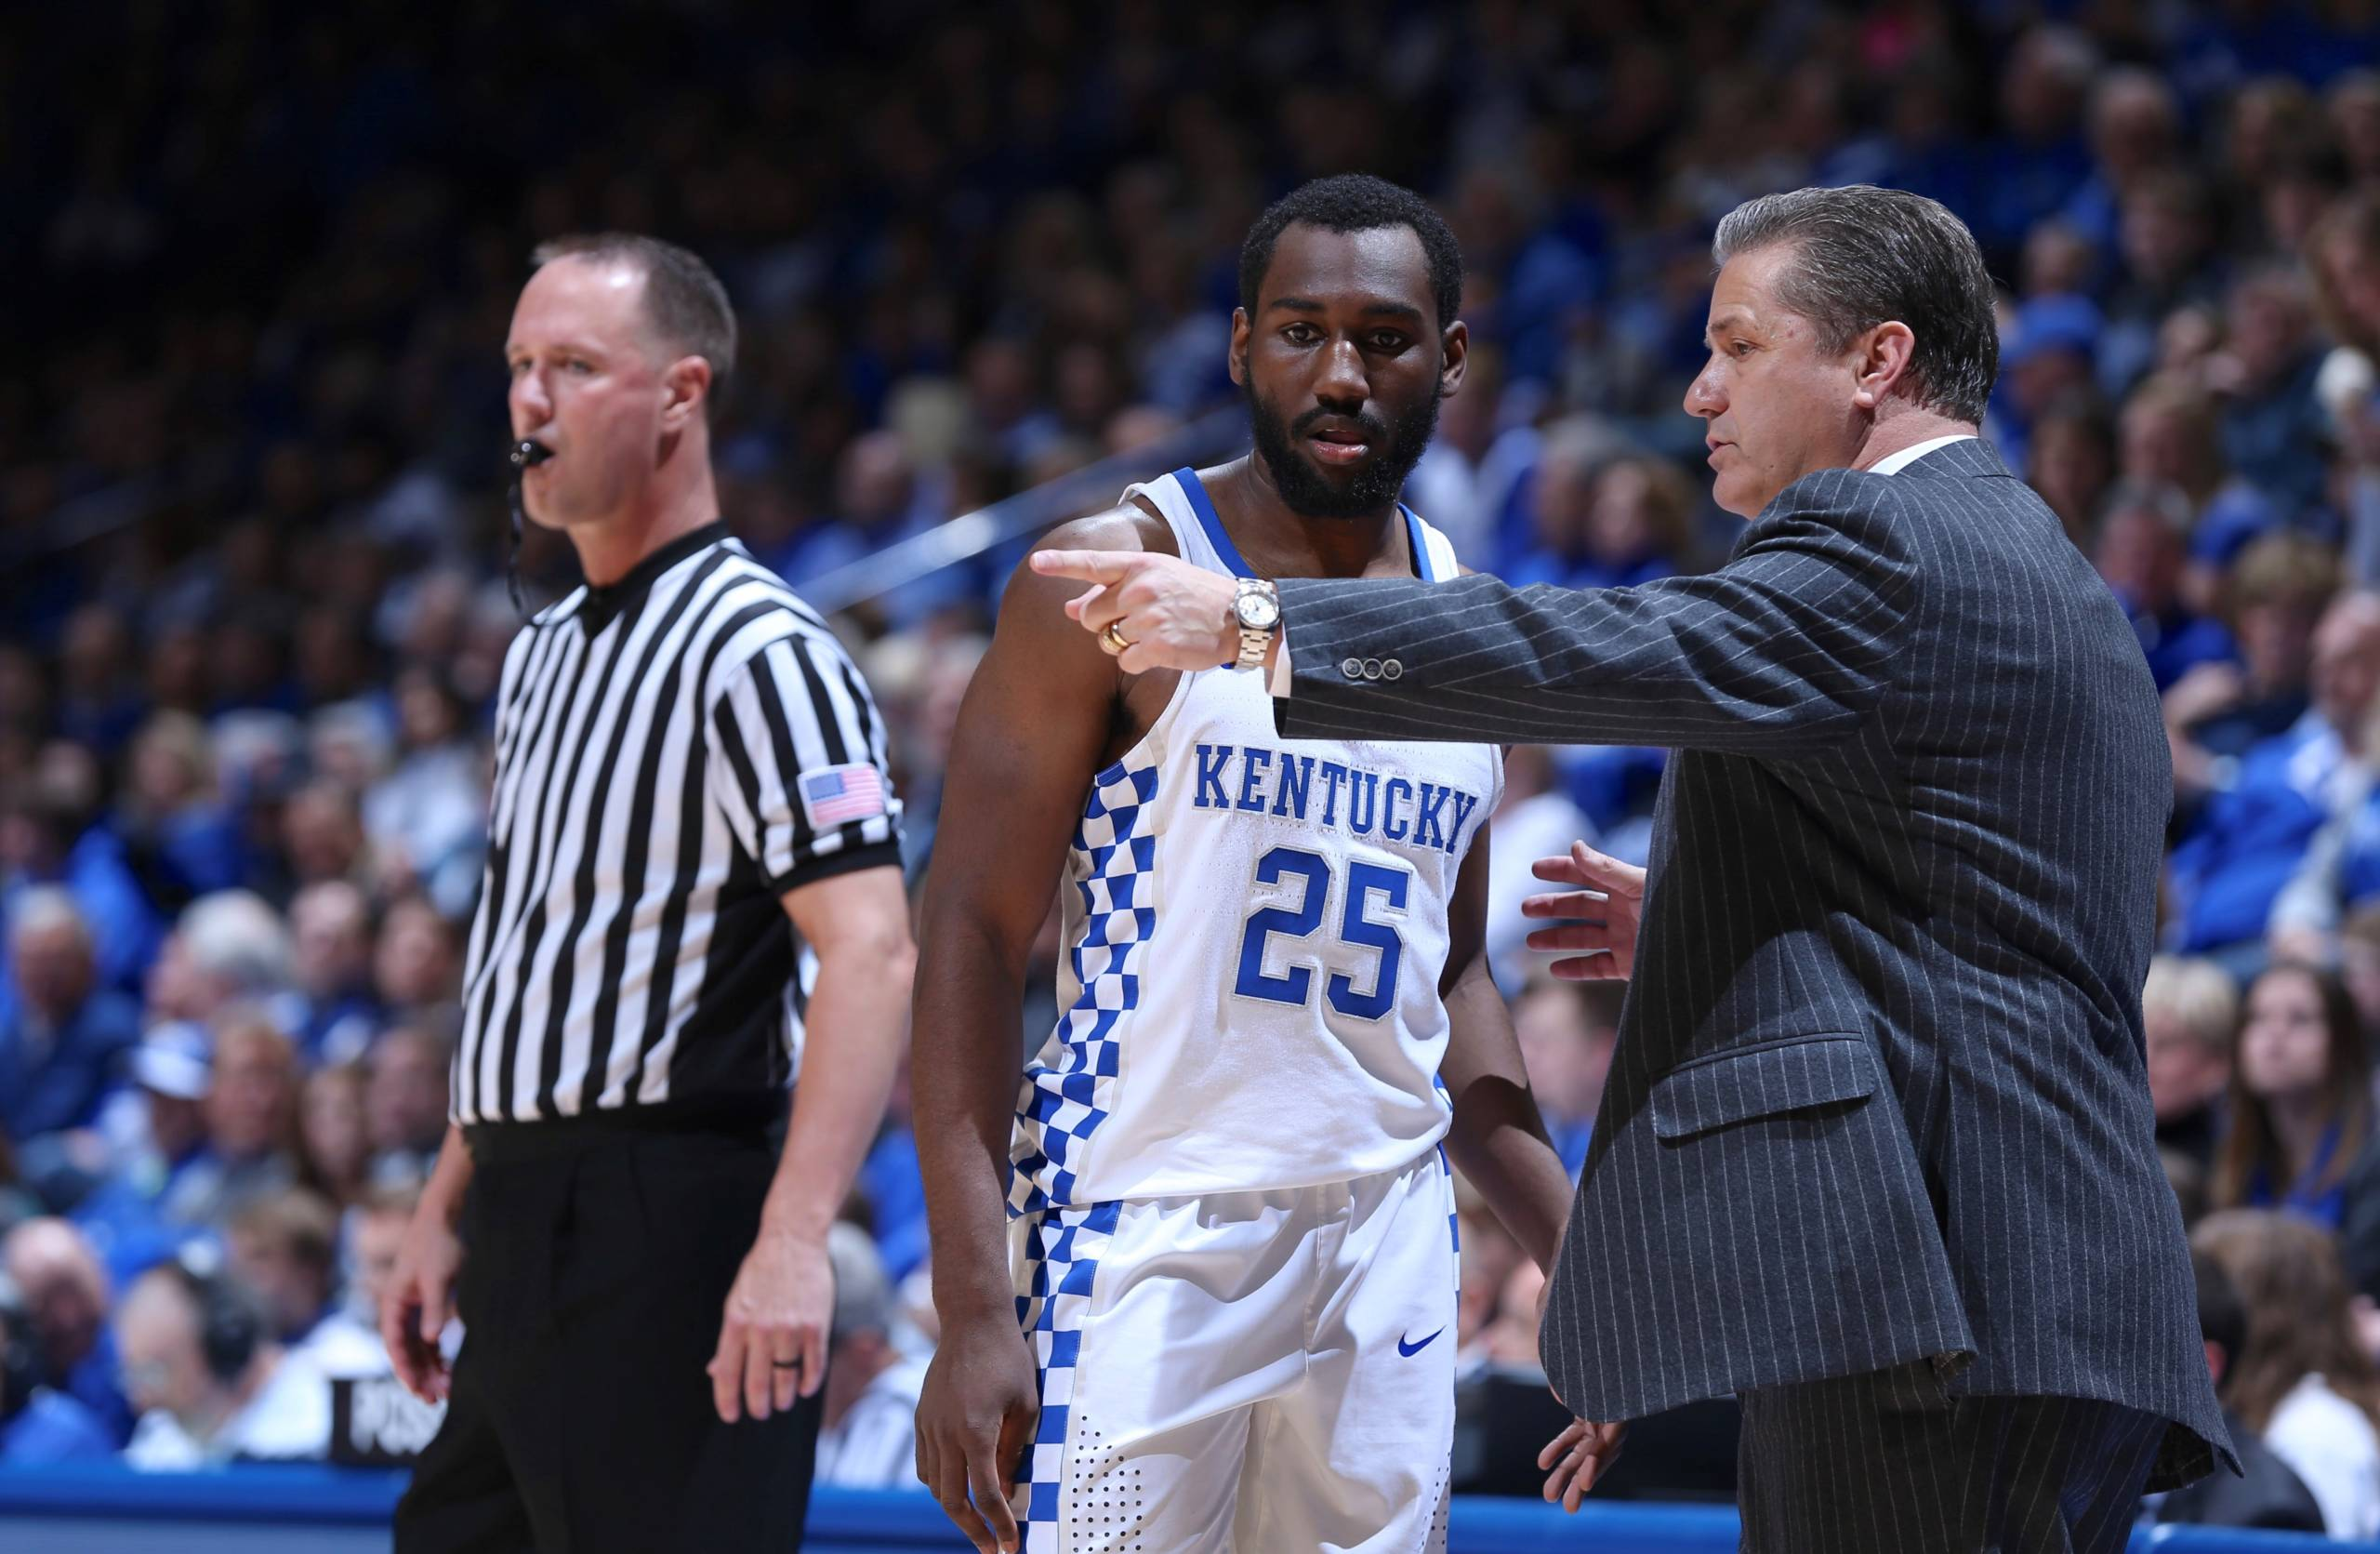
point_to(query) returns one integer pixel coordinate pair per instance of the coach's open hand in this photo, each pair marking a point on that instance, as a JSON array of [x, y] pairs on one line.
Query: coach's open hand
[[1172, 615], [1599, 942], [773, 1335], [1576, 1457], [976, 1418]]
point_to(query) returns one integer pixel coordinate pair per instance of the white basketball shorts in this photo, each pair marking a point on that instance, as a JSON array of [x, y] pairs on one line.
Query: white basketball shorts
[[1250, 1372]]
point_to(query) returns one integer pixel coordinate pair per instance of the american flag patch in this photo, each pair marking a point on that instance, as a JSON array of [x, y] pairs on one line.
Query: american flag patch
[[841, 793]]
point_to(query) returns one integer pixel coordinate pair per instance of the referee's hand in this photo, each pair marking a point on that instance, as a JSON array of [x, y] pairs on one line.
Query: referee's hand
[[419, 1300], [772, 1334]]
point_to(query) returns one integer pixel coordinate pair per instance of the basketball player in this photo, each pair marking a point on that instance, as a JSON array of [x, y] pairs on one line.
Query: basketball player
[[1196, 1274]]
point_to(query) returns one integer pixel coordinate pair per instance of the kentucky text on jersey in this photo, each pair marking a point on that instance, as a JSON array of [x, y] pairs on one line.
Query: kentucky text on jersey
[[1284, 784]]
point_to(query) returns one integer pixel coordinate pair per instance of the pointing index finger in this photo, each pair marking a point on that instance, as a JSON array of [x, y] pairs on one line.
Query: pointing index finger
[[1090, 566]]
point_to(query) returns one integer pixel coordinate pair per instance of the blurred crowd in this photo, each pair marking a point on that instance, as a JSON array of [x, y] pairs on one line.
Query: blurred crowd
[[252, 543]]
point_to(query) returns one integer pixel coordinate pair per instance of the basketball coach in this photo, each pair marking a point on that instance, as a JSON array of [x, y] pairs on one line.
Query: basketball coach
[[693, 880], [1876, 1152]]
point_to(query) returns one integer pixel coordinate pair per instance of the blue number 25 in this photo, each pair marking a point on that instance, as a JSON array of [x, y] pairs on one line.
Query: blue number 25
[[1364, 880]]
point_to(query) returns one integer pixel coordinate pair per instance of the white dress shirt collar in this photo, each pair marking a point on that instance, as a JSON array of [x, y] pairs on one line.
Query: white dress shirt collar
[[1894, 463]]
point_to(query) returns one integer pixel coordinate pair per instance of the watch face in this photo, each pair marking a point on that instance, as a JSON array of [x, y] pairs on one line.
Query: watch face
[[1258, 612]]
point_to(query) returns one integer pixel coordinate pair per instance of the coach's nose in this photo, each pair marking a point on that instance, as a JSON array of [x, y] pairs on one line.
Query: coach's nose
[[1704, 396]]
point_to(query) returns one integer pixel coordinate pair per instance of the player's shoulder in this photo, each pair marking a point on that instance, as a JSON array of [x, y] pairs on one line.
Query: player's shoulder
[[1131, 524]]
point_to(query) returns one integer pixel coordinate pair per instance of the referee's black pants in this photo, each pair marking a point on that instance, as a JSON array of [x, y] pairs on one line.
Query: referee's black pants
[[1891, 1463], [597, 1264]]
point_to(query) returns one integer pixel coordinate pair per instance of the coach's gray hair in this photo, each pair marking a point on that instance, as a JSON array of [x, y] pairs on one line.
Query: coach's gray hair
[[1864, 255], [684, 298]]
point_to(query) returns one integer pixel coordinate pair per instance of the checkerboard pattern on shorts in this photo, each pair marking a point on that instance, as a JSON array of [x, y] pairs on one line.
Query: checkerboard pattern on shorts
[[1063, 1248], [1064, 1100]]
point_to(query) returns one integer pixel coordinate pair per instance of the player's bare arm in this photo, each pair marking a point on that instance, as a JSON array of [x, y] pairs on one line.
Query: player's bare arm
[[1497, 1138], [1046, 710]]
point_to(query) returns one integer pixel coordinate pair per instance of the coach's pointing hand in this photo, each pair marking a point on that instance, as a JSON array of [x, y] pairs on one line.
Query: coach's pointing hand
[[1164, 612], [772, 1334]]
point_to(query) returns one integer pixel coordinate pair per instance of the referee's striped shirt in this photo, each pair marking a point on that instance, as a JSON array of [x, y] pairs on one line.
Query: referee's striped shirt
[[673, 752]]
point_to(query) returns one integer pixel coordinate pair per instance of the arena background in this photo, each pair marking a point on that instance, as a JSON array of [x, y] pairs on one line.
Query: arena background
[[260, 262]]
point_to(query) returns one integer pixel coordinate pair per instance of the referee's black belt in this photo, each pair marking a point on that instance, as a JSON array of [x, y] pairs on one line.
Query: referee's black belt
[[753, 1118]]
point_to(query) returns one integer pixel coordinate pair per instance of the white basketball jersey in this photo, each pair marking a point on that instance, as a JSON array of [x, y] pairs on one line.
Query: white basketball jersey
[[1256, 928]]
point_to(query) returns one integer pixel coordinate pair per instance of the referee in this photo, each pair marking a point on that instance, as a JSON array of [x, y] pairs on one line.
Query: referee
[[692, 863]]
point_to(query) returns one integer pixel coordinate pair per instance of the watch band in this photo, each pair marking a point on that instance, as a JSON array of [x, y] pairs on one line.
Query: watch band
[[1255, 600]]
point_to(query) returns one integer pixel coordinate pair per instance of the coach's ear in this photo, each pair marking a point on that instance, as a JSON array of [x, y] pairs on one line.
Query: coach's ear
[[1880, 362], [685, 393]]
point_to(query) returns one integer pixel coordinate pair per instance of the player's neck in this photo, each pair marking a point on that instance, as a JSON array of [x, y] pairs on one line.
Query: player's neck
[[1281, 542]]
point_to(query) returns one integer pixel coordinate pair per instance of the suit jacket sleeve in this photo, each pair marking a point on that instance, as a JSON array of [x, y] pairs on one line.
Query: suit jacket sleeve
[[1784, 651]]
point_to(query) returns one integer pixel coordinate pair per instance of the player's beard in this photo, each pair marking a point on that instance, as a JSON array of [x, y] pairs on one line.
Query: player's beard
[[1376, 482]]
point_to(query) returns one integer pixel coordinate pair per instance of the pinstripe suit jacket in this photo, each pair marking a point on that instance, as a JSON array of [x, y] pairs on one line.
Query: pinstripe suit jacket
[[1880, 1089]]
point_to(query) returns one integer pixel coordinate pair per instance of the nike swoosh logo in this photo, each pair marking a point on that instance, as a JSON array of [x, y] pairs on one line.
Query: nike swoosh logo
[[1409, 1350]]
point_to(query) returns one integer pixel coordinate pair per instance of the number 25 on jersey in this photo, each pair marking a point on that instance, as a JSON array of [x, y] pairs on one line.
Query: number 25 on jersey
[[1370, 887]]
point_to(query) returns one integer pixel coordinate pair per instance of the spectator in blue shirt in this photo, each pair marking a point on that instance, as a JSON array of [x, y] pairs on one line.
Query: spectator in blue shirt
[[2142, 552], [1614, 523], [2136, 132], [2276, 600], [2274, 432], [2047, 358], [2167, 235], [57, 1272], [181, 841], [51, 837], [1567, 1032], [332, 1011], [2072, 463], [2038, 161], [38, 1423], [2252, 836], [2300, 1132], [160, 1147], [61, 1041]]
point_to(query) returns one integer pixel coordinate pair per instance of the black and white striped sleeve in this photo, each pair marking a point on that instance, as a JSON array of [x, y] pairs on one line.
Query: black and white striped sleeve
[[797, 765]]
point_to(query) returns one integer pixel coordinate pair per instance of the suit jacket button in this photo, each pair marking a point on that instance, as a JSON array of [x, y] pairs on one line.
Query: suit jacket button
[[1352, 667], [1372, 669], [1390, 669]]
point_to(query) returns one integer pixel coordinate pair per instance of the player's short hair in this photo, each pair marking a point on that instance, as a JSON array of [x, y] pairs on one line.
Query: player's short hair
[[1864, 255], [684, 299], [1355, 202]]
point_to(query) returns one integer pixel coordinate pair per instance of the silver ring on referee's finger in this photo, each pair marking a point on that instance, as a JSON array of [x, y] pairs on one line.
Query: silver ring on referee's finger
[[792, 1364], [1112, 638]]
